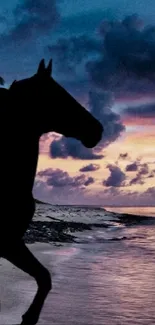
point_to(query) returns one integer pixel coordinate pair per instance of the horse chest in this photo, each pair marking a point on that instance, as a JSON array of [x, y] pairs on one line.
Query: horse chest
[[19, 162], [29, 158]]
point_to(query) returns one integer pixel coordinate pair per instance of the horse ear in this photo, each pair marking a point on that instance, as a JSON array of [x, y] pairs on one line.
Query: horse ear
[[41, 67], [49, 68], [13, 83], [2, 82]]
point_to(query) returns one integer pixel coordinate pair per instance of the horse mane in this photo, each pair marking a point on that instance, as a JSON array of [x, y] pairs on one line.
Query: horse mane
[[22, 85]]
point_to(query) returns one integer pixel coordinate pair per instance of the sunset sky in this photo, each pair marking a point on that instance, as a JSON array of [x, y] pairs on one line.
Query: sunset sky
[[103, 54]]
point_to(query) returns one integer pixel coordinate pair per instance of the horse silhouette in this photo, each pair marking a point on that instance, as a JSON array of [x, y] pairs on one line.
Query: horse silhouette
[[30, 108]]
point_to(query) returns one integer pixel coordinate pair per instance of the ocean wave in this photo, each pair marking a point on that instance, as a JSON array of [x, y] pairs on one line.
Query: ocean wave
[[99, 240]]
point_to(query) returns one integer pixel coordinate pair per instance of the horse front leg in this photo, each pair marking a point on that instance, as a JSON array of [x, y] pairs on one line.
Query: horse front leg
[[19, 255]]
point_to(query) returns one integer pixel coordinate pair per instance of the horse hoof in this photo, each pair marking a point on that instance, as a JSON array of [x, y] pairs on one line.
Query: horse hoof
[[29, 320]]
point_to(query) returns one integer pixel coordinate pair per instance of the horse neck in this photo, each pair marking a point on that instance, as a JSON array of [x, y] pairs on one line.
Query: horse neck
[[22, 129]]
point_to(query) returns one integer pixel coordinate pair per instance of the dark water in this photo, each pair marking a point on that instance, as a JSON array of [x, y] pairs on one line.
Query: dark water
[[106, 277]]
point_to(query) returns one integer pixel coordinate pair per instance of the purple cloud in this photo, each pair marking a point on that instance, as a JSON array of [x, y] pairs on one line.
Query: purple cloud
[[69, 147], [60, 178], [132, 167], [151, 191], [136, 180], [90, 168], [89, 181], [116, 178], [144, 111], [80, 195], [144, 169]]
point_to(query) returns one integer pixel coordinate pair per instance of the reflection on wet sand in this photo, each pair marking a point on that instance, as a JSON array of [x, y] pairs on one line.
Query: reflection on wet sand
[[95, 284]]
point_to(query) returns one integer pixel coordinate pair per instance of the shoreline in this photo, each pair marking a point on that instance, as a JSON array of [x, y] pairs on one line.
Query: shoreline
[[59, 231]]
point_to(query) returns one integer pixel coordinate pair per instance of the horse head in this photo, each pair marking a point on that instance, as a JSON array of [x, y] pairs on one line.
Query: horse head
[[55, 108]]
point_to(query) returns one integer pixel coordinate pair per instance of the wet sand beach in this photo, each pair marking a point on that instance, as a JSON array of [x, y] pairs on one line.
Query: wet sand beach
[[105, 276], [89, 287]]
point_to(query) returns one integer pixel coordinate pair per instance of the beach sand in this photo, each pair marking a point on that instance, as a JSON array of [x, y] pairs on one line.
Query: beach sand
[[17, 289]]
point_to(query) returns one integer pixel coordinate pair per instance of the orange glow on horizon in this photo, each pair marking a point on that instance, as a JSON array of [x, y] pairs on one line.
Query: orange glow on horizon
[[130, 120], [138, 141]]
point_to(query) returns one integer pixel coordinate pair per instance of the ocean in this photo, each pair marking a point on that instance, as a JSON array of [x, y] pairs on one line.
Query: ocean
[[141, 211], [106, 276]]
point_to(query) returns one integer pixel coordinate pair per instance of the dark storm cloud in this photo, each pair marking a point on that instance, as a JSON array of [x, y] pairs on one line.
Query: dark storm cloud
[[60, 178], [128, 56], [69, 52], [100, 104], [145, 111], [32, 19], [90, 168], [121, 60], [3, 19], [116, 178], [100, 107], [37, 15], [132, 167], [68, 147]]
